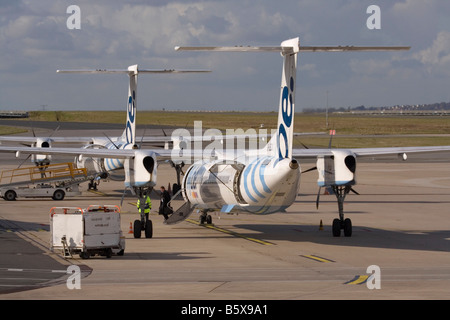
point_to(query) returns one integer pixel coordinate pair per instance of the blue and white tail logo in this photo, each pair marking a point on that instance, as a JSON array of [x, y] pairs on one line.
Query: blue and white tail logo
[[287, 99], [129, 134], [131, 112], [284, 138]]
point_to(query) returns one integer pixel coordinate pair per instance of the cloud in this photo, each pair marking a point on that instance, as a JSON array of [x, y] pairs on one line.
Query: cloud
[[436, 58], [114, 34]]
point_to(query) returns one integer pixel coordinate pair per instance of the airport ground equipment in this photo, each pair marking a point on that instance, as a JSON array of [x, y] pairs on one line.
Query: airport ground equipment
[[95, 230], [55, 181]]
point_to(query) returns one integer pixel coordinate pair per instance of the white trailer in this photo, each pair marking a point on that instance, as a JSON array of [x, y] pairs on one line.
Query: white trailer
[[91, 231]]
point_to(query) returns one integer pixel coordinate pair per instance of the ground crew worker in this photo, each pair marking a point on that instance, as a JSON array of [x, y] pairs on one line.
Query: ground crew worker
[[144, 204]]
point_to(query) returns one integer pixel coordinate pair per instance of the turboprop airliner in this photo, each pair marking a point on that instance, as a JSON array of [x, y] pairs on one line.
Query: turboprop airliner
[[267, 180], [103, 166], [259, 181]]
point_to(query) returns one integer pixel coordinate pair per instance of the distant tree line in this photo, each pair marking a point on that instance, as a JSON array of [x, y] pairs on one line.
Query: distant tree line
[[416, 107]]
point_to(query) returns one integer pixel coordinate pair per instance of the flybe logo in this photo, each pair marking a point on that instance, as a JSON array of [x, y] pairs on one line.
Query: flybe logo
[[130, 117], [287, 106]]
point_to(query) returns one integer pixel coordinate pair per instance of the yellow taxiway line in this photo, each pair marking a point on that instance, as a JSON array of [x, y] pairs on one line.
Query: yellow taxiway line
[[212, 227]]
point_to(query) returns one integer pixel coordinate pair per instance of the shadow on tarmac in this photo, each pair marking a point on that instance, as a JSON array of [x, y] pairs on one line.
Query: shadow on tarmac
[[361, 237]]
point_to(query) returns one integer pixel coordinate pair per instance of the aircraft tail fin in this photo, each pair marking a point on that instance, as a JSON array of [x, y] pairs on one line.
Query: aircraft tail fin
[[286, 108], [129, 134], [281, 142]]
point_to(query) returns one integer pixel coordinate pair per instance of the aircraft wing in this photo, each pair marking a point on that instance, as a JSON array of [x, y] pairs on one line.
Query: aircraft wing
[[145, 139], [103, 153], [20, 139], [369, 152], [162, 154]]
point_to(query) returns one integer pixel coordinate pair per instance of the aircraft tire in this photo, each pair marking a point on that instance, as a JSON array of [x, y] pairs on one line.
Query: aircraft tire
[[149, 229], [336, 228], [137, 229], [208, 219], [347, 227]]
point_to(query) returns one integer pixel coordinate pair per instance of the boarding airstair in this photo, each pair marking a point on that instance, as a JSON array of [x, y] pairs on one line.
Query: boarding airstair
[[180, 214]]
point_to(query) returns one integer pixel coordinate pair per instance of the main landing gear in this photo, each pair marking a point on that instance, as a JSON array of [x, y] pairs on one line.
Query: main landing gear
[[145, 225], [205, 217], [341, 223]]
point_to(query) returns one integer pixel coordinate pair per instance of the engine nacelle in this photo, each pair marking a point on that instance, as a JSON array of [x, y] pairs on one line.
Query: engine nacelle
[[337, 169], [42, 159], [141, 170]]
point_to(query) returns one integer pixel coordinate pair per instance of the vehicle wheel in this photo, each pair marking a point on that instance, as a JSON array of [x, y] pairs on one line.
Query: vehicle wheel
[[58, 195], [149, 229], [208, 219], [108, 253], [202, 219], [10, 195], [336, 228], [121, 252], [84, 255], [137, 229], [347, 227]]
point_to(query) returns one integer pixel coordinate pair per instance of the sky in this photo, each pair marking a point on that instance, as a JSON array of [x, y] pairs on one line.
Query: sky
[[35, 41]]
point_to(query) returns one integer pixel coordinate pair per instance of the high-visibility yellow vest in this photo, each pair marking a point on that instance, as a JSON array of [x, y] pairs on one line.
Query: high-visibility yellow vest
[[147, 205]]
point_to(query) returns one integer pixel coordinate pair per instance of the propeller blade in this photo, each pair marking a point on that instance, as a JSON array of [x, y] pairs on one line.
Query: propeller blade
[[110, 140], [310, 169], [54, 131], [142, 139], [29, 156], [304, 146], [318, 197], [331, 138]]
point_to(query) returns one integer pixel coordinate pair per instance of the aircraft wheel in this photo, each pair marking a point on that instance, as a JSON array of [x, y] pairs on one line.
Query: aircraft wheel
[[149, 229], [202, 219], [208, 219], [137, 229], [347, 227], [336, 228]]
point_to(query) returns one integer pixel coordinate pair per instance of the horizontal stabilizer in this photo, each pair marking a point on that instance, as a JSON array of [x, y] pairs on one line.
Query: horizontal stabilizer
[[126, 71], [289, 49]]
